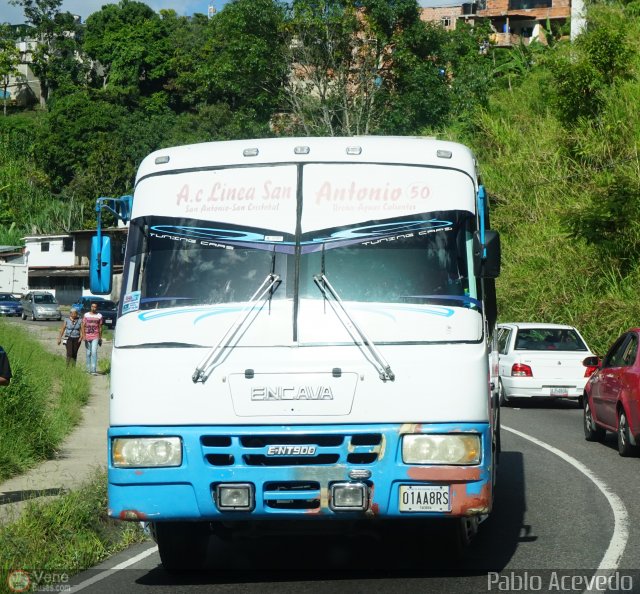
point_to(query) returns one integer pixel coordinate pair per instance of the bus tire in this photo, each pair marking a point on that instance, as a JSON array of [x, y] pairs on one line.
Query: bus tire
[[461, 534], [182, 545]]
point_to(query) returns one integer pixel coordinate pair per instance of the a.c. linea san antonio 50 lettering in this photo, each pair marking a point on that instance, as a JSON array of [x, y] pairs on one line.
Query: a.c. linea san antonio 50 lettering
[[327, 192]]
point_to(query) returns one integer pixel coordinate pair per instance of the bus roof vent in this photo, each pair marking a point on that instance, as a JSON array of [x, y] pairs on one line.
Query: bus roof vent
[[444, 154], [162, 160], [250, 152], [354, 150]]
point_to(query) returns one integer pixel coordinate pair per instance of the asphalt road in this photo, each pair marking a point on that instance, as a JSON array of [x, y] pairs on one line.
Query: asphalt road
[[563, 508]]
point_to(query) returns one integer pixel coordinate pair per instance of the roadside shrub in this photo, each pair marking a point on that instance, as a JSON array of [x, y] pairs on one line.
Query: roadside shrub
[[65, 536], [40, 406]]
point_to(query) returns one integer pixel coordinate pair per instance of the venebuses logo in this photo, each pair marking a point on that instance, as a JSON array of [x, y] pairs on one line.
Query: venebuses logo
[[37, 580], [19, 581]]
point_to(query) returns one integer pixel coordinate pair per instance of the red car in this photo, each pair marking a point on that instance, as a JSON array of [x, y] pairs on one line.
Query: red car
[[612, 394]]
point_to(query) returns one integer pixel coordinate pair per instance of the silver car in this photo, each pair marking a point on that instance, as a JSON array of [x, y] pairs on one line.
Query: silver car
[[40, 305]]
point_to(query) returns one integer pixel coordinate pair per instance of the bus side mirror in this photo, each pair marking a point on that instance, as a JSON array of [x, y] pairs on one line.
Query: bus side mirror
[[100, 279], [486, 258]]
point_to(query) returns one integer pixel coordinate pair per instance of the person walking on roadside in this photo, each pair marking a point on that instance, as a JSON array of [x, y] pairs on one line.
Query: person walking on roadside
[[70, 336], [5, 368], [91, 335]]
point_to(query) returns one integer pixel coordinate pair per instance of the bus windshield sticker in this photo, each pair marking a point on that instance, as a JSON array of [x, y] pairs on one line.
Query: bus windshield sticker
[[131, 302]]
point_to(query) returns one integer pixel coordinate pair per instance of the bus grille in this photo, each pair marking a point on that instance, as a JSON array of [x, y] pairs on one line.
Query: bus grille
[[291, 450], [292, 495]]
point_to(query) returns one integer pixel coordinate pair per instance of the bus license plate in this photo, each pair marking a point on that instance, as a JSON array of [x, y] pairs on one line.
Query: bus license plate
[[423, 498], [559, 392]]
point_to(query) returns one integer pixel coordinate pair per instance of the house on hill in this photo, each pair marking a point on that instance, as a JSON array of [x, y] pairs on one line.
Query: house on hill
[[513, 21]]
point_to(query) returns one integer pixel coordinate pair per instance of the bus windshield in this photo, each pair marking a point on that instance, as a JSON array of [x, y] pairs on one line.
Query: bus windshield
[[418, 259]]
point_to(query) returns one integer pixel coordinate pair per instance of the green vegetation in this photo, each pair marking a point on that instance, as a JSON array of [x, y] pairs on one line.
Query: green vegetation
[[37, 411], [556, 129], [66, 535], [559, 155], [554, 125], [150, 79], [40, 406]]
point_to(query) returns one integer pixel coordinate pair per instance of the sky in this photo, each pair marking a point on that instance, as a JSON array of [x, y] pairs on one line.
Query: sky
[[14, 15]]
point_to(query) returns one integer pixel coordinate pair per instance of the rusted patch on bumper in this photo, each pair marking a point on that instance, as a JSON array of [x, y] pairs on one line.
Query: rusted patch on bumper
[[132, 515], [445, 474], [464, 503]]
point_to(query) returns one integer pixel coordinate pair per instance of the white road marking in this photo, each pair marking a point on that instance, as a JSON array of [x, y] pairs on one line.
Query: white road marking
[[620, 536], [108, 572]]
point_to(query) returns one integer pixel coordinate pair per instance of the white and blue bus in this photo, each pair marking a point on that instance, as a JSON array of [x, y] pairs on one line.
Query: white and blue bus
[[305, 331]]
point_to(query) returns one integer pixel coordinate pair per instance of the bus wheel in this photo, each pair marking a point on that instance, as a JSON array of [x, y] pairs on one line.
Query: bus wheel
[[462, 532], [182, 545]]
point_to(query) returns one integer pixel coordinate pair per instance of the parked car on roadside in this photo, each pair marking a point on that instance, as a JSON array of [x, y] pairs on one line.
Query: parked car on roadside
[[40, 305], [541, 361], [612, 394], [106, 307], [9, 305]]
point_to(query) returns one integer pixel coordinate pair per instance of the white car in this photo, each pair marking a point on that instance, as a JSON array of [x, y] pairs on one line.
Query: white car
[[541, 361]]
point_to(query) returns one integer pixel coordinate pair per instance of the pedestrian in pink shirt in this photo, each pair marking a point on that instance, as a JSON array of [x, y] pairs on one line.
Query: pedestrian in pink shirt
[[91, 334]]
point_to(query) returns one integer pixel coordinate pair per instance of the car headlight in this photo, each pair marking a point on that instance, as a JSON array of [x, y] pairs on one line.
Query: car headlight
[[141, 452], [441, 449]]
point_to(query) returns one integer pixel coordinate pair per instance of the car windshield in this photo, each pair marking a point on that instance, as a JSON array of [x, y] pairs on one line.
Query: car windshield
[[106, 305], [549, 339], [44, 299], [6, 297]]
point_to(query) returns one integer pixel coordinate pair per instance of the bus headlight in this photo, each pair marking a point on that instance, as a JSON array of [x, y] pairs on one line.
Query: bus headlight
[[441, 449], [144, 452]]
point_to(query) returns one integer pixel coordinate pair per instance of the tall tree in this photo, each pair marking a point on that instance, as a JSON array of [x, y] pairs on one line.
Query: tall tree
[[130, 46], [365, 66], [242, 61], [55, 59], [336, 69], [9, 60], [188, 38]]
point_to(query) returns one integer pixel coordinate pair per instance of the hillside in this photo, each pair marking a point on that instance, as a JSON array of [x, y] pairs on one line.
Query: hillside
[[564, 181], [555, 129]]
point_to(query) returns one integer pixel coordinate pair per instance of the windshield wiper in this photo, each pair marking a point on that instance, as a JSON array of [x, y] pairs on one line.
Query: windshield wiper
[[206, 366], [383, 367]]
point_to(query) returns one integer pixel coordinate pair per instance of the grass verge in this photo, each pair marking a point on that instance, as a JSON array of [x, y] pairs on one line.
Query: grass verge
[[64, 536], [40, 406]]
